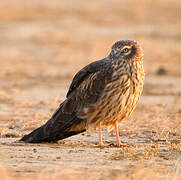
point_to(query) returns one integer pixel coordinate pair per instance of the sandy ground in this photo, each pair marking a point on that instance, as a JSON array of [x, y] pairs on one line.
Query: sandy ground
[[44, 43]]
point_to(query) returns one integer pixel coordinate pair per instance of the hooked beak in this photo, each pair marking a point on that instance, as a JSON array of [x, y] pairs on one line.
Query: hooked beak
[[114, 54]]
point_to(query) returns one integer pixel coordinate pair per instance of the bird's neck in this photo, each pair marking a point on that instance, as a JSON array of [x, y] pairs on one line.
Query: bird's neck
[[129, 67]]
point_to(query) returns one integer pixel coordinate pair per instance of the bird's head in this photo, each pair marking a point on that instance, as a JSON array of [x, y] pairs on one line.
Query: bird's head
[[127, 50]]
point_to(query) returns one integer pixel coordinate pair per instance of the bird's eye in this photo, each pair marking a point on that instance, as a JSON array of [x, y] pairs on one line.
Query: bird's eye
[[125, 50]]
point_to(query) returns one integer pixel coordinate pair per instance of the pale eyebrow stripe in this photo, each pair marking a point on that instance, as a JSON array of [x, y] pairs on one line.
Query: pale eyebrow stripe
[[126, 47]]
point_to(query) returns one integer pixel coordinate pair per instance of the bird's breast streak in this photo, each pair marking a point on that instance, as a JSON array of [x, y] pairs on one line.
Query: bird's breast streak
[[120, 98]]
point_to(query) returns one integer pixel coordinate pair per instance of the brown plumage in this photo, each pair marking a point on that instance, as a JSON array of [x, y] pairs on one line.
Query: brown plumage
[[103, 93]]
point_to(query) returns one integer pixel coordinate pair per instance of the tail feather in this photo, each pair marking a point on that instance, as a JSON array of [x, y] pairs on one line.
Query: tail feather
[[57, 128]]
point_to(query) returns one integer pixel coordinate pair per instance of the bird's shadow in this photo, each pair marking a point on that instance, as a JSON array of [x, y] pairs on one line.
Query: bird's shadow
[[68, 144]]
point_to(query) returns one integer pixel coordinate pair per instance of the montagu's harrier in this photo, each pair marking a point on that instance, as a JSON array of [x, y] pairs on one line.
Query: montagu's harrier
[[103, 93]]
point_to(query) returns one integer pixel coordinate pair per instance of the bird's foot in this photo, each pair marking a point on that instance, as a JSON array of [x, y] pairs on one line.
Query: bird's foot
[[123, 145], [119, 145], [102, 145]]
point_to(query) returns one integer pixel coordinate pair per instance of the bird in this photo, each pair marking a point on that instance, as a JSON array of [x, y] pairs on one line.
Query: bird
[[103, 93]]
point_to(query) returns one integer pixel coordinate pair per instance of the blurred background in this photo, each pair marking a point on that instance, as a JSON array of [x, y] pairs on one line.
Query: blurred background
[[54, 39], [44, 43]]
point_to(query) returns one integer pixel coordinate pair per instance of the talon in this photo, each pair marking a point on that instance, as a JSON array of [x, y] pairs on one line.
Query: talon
[[123, 145], [103, 146], [119, 145]]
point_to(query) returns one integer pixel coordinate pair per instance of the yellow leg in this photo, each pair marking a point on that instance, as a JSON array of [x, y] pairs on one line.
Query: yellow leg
[[100, 136], [117, 134]]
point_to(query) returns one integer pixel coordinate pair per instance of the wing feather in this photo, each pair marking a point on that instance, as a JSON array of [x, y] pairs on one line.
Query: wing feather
[[88, 86], [85, 72]]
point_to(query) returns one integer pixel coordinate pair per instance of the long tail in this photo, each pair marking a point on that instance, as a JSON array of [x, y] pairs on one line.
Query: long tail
[[57, 128]]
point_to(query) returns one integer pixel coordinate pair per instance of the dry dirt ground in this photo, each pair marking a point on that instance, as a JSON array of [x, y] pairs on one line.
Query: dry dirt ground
[[44, 43]]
